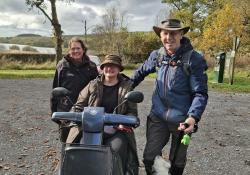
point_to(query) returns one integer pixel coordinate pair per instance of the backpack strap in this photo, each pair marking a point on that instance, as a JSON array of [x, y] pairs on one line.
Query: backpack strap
[[186, 61], [159, 59]]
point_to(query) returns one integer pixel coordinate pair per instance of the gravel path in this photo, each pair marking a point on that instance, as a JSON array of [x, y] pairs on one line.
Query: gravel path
[[29, 144]]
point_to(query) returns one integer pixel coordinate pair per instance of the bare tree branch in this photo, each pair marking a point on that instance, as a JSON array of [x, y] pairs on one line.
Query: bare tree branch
[[43, 11]]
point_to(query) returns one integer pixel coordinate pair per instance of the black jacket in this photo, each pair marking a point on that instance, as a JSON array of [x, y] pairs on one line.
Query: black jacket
[[72, 77]]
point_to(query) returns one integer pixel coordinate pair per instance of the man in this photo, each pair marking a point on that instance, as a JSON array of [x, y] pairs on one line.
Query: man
[[180, 94]]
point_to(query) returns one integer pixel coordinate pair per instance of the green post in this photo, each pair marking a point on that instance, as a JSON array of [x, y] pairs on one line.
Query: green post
[[219, 67]]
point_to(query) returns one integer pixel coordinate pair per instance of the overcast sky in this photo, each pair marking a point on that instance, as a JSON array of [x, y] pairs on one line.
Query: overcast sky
[[15, 18]]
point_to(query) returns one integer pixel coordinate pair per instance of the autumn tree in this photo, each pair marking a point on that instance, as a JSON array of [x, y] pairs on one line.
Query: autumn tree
[[190, 12], [221, 27], [214, 23], [243, 7], [42, 6], [193, 13]]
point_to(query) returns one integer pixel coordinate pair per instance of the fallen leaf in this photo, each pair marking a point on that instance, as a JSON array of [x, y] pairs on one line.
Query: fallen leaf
[[6, 168], [21, 166]]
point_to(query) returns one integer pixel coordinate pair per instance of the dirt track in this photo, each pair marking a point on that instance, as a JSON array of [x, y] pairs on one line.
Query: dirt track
[[29, 145]]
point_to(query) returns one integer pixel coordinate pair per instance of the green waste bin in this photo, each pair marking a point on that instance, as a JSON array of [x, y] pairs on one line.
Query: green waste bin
[[219, 67]]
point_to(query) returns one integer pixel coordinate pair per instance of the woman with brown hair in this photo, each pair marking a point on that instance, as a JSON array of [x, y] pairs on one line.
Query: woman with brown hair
[[73, 72]]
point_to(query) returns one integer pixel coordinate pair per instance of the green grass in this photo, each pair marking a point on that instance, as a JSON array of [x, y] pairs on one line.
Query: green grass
[[225, 87], [5, 64], [241, 82], [13, 74], [241, 78]]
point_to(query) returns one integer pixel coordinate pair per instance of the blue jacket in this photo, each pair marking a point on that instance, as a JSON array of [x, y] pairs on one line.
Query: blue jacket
[[177, 94]]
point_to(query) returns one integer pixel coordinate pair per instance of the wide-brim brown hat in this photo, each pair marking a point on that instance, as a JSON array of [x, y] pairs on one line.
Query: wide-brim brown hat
[[112, 59], [170, 24]]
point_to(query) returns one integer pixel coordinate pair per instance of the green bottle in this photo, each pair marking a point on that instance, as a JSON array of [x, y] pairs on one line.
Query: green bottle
[[186, 139]]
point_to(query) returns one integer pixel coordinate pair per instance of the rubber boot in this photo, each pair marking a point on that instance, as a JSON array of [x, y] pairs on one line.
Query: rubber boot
[[148, 166], [176, 170]]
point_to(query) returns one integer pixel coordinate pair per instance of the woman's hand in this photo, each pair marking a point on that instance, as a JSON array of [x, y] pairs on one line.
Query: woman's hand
[[124, 128]]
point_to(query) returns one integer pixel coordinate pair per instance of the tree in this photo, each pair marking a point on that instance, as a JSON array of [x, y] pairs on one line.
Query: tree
[[29, 49], [244, 9], [191, 12], [42, 6], [221, 27], [214, 23], [112, 32], [139, 45], [14, 47]]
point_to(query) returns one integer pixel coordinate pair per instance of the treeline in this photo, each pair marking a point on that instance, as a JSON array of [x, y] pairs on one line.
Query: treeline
[[133, 46], [213, 27], [214, 24]]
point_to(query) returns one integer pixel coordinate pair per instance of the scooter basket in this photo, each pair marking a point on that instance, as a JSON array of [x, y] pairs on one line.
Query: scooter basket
[[90, 160]]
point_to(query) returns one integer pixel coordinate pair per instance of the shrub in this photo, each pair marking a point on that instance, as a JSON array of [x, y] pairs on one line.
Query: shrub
[[12, 63], [28, 57], [14, 47], [2, 47], [29, 49]]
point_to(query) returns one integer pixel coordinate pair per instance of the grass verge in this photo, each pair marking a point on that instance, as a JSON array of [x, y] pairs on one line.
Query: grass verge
[[241, 80], [16, 74]]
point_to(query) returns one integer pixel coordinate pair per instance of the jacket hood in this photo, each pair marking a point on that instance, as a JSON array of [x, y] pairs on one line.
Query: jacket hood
[[185, 46]]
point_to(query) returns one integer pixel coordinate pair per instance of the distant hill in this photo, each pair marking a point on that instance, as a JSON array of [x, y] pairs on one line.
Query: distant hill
[[28, 35], [29, 39], [37, 40]]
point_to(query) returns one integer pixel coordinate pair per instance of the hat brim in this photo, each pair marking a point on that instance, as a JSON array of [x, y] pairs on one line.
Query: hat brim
[[118, 65], [157, 30]]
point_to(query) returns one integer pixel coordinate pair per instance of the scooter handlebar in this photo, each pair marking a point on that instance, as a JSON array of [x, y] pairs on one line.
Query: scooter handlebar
[[113, 119], [108, 119], [69, 116]]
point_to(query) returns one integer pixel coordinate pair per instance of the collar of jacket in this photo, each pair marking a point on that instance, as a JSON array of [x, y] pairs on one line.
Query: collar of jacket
[[85, 60], [121, 77], [185, 46]]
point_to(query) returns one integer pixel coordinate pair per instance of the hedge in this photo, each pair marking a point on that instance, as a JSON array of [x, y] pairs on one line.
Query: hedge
[[28, 57]]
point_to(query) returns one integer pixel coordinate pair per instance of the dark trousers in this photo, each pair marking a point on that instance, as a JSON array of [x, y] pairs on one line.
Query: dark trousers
[[63, 133], [158, 134], [119, 143]]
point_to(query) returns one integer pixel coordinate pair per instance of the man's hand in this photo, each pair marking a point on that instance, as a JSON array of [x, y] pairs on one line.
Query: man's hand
[[191, 122]]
